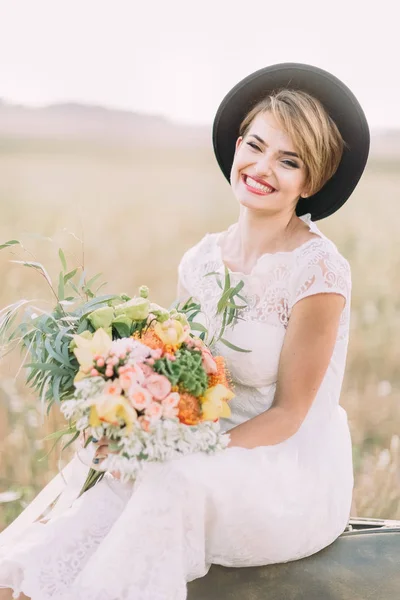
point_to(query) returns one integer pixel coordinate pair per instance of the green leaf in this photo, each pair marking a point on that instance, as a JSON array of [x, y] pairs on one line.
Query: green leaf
[[231, 315], [69, 275], [237, 288], [236, 306], [227, 282], [92, 280], [62, 259], [90, 306], [60, 337], [57, 435], [54, 354], [37, 266], [47, 367], [232, 346], [71, 441], [122, 329], [61, 287], [10, 243], [198, 327], [88, 441], [223, 300]]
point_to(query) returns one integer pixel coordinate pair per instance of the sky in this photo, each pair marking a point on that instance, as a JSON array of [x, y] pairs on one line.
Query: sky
[[178, 58]]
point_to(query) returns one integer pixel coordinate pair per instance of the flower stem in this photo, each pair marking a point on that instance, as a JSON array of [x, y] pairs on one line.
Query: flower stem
[[91, 480]]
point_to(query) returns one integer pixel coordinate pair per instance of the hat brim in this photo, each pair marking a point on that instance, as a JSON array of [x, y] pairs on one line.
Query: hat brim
[[338, 100]]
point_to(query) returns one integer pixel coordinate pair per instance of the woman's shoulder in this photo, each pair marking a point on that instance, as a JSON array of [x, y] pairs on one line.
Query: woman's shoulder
[[320, 268], [322, 250]]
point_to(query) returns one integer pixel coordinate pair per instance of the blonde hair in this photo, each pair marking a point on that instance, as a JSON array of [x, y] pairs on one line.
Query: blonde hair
[[314, 134]]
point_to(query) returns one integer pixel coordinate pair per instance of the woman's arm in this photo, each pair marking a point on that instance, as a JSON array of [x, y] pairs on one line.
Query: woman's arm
[[305, 356]]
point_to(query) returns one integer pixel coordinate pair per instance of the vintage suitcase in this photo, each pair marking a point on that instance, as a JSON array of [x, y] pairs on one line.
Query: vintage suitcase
[[362, 564]]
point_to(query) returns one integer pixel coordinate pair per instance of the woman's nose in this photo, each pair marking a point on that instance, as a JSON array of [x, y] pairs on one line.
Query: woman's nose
[[264, 166]]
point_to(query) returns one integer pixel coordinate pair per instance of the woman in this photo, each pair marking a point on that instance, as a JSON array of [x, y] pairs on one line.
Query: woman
[[293, 142]]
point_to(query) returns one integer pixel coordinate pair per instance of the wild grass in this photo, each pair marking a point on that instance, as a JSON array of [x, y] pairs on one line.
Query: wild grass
[[137, 211]]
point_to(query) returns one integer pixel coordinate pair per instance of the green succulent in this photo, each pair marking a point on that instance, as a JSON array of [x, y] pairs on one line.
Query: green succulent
[[186, 371]]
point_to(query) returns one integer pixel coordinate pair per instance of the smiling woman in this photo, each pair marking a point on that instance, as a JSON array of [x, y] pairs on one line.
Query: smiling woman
[[282, 489]]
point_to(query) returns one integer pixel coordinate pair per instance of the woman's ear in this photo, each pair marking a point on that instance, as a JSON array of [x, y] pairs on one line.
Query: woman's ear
[[238, 143], [305, 193]]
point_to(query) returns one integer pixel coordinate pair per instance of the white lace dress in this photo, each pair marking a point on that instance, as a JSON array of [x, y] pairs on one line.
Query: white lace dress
[[237, 508]]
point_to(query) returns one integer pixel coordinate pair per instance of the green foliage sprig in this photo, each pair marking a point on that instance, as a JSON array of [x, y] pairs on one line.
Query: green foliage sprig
[[46, 336], [227, 307]]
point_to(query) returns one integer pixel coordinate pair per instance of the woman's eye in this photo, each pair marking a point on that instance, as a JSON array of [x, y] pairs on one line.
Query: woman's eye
[[291, 163], [253, 145]]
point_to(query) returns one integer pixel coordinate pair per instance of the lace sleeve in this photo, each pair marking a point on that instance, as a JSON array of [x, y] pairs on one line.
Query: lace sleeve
[[321, 270]]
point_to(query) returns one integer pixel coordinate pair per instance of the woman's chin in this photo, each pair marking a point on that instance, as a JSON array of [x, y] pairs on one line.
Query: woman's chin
[[252, 203]]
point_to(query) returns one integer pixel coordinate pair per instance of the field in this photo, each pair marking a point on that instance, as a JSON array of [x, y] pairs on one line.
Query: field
[[137, 209]]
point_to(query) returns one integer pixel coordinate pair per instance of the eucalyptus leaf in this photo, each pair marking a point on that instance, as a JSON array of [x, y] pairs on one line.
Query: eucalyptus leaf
[[61, 287], [70, 275], [37, 266], [62, 259], [51, 368], [198, 327], [71, 441], [9, 243], [232, 346]]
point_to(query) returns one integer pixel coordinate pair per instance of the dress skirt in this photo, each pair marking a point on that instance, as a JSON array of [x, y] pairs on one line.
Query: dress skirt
[[145, 540]]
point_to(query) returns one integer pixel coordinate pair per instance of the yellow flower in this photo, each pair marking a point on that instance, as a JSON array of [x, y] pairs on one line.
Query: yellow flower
[[86, 350], [171, 332], [111, 408], [214, 403]]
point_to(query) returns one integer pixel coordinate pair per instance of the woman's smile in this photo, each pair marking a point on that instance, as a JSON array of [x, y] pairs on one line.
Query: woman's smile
[[256, 185]]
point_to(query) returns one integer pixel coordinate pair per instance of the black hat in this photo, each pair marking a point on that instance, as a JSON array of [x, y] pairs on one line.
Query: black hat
[[340, 103]]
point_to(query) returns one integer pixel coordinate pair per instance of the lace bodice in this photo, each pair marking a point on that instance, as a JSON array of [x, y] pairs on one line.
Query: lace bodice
[[276, 283]]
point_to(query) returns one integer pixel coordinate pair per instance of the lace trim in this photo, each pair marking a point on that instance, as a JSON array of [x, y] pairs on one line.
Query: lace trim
[[277, 282]]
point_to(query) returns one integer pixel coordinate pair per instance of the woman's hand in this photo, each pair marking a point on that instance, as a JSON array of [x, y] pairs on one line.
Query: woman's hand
[[102, 451]]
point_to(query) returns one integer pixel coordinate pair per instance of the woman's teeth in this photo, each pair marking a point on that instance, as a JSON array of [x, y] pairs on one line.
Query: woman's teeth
[[258, 186]]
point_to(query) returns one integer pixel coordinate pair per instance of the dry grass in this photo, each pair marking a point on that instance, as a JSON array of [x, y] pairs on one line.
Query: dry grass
[[138, 211]]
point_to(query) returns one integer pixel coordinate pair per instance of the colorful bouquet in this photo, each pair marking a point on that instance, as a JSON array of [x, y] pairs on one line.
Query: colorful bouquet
[[124, 368], [154, 396]]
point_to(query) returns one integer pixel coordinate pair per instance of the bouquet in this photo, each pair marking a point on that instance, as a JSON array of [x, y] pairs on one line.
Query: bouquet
[[124, 368]]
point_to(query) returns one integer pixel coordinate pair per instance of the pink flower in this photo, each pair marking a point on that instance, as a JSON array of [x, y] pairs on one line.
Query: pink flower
[[208, 362], [126, 380], [144, 423], [154, 411], [100, 362], [113, 387], [94, 373], [147, 370], [170, 405], [139, 397], [158, 386], [109, 372]]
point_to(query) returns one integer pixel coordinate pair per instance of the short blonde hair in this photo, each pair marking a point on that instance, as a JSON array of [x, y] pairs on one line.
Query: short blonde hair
[[313, 132]]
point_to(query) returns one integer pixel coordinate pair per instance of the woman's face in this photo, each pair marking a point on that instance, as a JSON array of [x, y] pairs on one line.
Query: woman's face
[[267, 174]]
